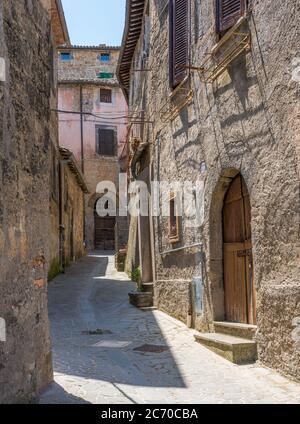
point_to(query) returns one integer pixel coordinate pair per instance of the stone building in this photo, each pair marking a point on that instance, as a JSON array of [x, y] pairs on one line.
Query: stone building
[[218, 97], [93, 125], [27, 128], [68, 188]]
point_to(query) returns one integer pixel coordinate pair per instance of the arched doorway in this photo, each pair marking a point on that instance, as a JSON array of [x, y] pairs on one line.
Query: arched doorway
[[239, 286], [104, 231]]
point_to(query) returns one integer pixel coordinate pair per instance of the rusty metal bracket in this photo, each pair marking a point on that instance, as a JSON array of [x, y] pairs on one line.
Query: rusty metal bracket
[[178, 99], [231, 46]]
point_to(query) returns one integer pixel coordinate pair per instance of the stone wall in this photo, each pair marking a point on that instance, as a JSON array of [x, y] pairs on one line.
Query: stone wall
[[73, 217], [86, 65], [172, 297], [97, 170], [247, 121], [25, 358]]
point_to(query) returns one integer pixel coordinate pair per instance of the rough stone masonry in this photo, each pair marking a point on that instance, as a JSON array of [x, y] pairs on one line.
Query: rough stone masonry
[[245, 122], [25, 43]]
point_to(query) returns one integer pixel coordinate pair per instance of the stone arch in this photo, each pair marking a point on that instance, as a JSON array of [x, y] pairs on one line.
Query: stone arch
[[216, 303], [95, 197]]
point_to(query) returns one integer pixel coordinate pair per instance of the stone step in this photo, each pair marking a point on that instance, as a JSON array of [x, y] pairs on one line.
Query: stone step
[[148, 287], [234, 349], [244, 331]]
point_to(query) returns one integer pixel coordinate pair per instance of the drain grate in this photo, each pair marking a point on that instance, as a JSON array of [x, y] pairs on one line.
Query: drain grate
[[151, 349], [98, 332]]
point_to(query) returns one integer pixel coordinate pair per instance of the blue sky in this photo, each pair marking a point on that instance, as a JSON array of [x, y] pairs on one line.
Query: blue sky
[[93, 22]]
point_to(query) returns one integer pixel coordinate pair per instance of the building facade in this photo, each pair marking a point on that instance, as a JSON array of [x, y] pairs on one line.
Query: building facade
[[219, 108], [93, 124], [68, 188], [29, 32]]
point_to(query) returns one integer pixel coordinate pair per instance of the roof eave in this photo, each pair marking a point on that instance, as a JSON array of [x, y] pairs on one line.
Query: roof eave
[[68, 156], [132, 32], [63, 21]]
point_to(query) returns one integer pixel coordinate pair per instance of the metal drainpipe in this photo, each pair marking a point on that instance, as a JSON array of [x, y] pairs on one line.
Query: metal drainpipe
[[82, 157], [152, 231], [61, 224], [81, 130]]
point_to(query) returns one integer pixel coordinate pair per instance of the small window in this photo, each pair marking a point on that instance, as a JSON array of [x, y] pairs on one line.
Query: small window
[[104, 57], [173, 220], [228, 13], [105, 95], [106, 141], [66, 56]]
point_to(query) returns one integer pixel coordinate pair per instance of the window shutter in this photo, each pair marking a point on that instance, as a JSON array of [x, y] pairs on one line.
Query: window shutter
[[105, 95], [179, 40], [229, 12], [106, 142]]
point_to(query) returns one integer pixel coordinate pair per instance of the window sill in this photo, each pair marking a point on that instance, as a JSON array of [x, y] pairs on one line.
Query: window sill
[[179, 87], [174, 240], [228, 35], [112, 157], [232, 45]]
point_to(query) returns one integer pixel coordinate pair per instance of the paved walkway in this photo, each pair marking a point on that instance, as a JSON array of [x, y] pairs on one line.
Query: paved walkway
[[106, 368]]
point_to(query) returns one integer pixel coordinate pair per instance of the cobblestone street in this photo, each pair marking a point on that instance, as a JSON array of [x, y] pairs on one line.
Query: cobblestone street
[[100, 355]]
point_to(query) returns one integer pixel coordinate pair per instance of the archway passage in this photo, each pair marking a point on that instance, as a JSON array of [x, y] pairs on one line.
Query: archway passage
[[104, 231], [240, 294]]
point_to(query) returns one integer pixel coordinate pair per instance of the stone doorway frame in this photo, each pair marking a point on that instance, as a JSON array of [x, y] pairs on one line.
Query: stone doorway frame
[[215, 262]]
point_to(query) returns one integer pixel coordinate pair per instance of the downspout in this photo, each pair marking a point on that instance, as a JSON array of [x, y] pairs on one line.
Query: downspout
[[81, 130], [152, 231], [61, 223], [82, 160]]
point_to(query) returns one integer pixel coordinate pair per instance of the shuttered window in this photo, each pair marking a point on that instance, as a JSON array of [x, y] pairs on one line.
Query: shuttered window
[[228, 13], [105, 95], [179, 40], [106, 142]]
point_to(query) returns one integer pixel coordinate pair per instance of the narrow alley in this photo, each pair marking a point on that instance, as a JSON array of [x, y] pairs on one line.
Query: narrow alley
[[149, 203], [108, 352]]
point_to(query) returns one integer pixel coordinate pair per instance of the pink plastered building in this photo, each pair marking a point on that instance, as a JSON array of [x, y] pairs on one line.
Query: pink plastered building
[[93, 119]]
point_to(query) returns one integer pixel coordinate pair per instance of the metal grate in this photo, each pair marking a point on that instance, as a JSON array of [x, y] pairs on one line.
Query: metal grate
[[98, 332]]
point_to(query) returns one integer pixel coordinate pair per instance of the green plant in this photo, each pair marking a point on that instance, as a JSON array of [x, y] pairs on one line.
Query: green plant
[[136, 275]]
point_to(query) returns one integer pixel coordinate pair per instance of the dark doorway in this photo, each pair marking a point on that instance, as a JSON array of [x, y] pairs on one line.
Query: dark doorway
[[104, 231], [240, 294]]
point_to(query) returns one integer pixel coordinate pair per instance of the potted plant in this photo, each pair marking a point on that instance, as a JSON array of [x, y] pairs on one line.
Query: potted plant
[[139, 297]]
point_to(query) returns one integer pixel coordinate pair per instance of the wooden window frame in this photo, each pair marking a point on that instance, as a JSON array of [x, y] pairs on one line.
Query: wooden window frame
[[174, 238], [104, 92]]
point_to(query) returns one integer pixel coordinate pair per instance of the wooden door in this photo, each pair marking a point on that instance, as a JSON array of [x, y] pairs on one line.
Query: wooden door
[[105, 232], [240, 295]]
